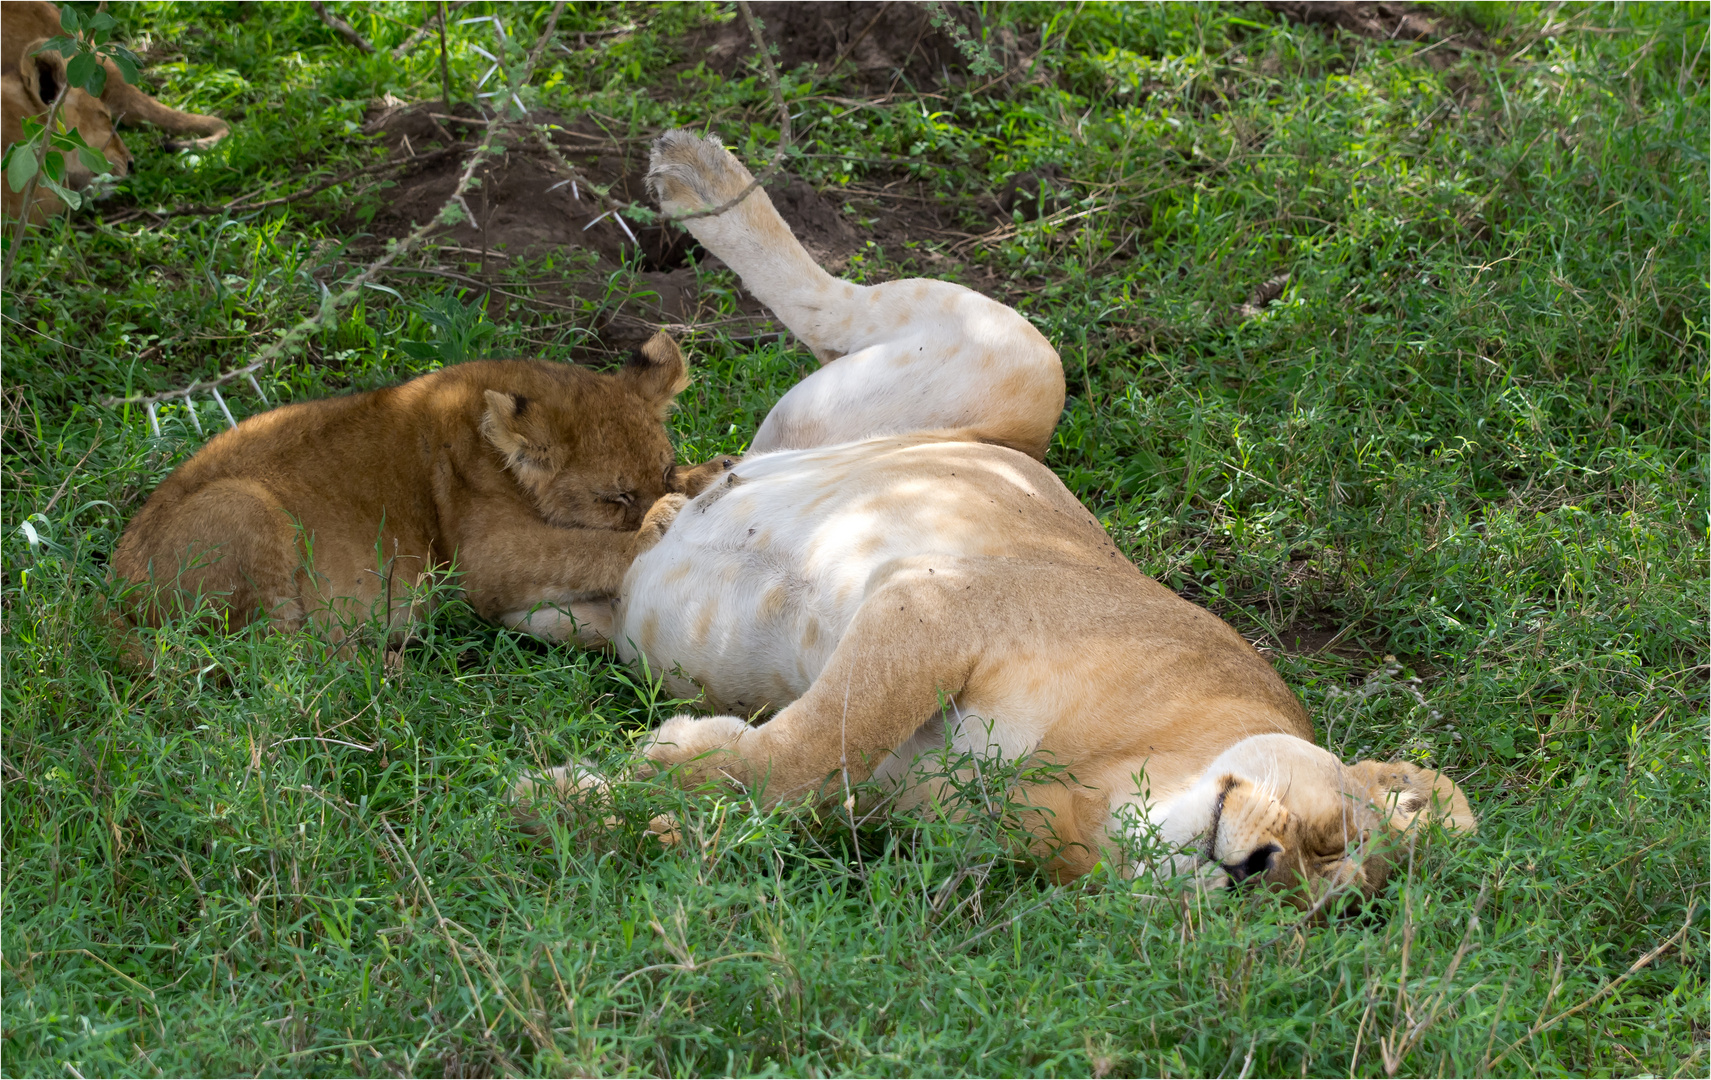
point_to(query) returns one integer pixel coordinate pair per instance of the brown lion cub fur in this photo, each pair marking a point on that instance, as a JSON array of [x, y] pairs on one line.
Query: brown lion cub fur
[[539, 481]]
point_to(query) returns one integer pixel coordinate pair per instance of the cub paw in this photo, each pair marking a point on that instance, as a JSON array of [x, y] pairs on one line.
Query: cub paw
[[658, 520], [698, 479], [702, 748]]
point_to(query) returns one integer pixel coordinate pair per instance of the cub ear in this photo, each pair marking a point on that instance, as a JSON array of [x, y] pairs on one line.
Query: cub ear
[[657, 372], [1409, 794], [499, 425]]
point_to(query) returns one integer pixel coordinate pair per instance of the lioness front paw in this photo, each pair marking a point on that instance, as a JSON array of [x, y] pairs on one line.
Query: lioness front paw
[[702, 747], [659, 517]]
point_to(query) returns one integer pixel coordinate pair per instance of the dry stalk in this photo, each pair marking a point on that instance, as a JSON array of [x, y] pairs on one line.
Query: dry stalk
[[617, 207], [342, 28], [1609, 988], [331, 303], [1397, 1046], [425, 31], [29, 192]]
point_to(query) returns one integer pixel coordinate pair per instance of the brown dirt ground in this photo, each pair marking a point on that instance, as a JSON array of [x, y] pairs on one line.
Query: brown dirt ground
[[1407, 22], [524, 209], [876, 44]]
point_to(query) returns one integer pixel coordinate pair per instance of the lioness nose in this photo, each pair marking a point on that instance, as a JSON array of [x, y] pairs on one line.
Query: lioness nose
[[1257, 863]]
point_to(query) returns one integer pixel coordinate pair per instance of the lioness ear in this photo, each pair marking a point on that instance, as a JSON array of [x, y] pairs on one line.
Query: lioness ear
[[42, 74], [499, 426], [1409, 793], [657, 371]]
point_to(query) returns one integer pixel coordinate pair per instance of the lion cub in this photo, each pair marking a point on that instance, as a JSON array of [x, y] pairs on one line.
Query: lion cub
[[539, 481]]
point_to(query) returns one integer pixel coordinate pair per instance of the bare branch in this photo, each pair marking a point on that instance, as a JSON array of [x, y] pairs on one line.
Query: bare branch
[[426, 31], [342, 28], [619, 206], [330, 303], [27, 206]]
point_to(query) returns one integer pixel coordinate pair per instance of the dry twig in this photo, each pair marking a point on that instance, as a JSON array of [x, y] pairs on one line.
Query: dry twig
[[616, 207], [1609, 988], [331, 303], [426, 30], [342, 28]]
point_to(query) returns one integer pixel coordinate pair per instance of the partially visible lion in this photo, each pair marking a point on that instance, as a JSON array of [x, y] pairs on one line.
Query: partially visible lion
[[29, 82], [906, 590], [539, 481]]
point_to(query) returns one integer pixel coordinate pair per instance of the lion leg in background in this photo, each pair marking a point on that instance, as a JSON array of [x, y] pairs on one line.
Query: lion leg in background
[[130, 105], [904, 356]]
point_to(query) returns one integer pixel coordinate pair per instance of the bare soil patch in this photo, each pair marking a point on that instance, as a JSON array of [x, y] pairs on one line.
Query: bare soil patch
[[1390, 22], [526, 208], [875, 43]]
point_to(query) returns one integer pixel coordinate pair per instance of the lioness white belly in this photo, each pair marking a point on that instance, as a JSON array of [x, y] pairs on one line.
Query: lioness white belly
[[748, 594]]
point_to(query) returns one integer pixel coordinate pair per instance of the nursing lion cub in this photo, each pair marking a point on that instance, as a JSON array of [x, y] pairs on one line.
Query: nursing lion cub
[[890, 597], [539, 481]]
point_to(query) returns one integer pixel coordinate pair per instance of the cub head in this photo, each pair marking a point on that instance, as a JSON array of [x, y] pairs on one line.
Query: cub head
[[593, 453], [1286, 814], [30, 91]]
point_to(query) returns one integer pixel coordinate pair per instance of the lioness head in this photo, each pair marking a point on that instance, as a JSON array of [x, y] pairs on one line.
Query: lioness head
[[595, 456], [1278, 811], [30, 91]]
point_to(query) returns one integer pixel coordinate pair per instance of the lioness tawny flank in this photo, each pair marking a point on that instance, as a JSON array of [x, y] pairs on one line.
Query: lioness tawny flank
[[932, 585]]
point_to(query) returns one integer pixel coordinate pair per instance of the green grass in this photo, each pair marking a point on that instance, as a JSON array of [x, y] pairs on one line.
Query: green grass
[[1471, 434]]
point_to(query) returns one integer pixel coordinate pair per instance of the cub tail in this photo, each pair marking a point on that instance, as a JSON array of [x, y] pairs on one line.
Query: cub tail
[[688, 173]]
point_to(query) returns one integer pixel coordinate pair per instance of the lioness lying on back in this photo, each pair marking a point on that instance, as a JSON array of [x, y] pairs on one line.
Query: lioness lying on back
[[29, 82], [540, 481], [887, 597]]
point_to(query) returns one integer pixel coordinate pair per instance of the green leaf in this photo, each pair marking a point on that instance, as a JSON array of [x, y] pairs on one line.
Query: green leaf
[[53, 168], [85, 72], [128, 62], [69, 21], [71, 198], [70, 139], [21, 167], [101, 22], [61, 44], [94, 162]]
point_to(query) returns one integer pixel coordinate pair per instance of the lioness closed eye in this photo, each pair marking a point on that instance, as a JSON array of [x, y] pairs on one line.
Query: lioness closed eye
[[885, 591], [539, 481]]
